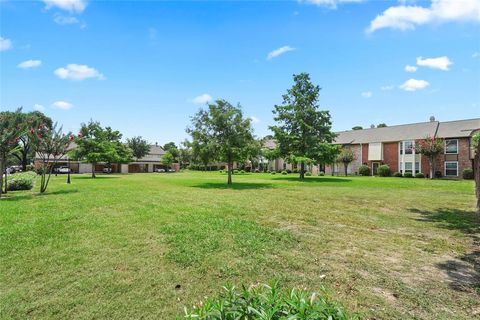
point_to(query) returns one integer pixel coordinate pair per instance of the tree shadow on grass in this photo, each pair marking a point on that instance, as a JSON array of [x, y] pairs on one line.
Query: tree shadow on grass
[[234, 186], [99, 177], [313, 179], [26, 196], [464, 271]]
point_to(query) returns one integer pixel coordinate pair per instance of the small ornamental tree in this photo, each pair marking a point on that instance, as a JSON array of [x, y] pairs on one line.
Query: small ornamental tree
[[139, 146], [52, 145], [346, 156], [222, 130], [27, 140], [185, 154], [327, 154], [431, 148], [172, 148], [10, 132], [301, 125]]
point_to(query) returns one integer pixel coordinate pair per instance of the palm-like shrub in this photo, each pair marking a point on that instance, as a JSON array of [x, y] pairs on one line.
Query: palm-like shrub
[[268, 302]]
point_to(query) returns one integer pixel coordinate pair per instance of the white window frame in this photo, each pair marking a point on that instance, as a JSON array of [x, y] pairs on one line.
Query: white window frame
[[445, 169], [446, 146]]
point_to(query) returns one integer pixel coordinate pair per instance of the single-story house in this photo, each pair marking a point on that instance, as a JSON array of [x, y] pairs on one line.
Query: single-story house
[[150, 163]]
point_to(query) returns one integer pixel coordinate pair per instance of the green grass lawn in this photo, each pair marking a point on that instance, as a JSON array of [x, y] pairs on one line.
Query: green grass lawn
[[117, 246]]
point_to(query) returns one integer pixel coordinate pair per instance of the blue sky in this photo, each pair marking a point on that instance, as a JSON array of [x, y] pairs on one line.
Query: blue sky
[[145, 67]]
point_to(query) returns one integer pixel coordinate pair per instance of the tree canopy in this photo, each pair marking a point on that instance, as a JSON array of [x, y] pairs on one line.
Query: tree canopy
[[302, 128], [221, 133], [96, 144], [139, 146]]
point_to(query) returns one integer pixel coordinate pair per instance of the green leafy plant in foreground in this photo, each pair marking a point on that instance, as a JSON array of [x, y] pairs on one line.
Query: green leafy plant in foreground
[[268, 302]]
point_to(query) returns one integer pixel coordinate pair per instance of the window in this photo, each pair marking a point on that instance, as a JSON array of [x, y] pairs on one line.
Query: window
[[451, 146], [417, 167], [408, 167], [451, 168], [408, 147], [401, 147]]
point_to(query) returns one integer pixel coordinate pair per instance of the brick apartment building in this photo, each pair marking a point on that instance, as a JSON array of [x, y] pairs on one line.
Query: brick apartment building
[[395, 146]]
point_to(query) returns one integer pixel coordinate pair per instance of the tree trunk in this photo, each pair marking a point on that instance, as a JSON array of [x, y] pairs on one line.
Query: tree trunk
[[346, 168], [476, 168], [93, 170], [431, 164], [229, 170], [6, 182], [24, 161], [302, 170], [1, 176]]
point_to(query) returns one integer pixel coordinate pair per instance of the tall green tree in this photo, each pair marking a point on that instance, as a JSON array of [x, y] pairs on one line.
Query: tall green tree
[[382, 125], [430, 147], [96, 144], [301, 127], [167, 159], [26, 142], [51, 146], [185, 154], [172, 148], [10, 131], [224, 132], [139, 146]]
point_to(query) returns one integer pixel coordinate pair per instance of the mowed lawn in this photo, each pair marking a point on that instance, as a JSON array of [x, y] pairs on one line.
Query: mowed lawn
[[147, 245]]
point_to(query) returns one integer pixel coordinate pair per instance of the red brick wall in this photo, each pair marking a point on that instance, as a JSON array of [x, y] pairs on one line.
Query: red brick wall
[[365, 153], [390, 155], [463, 158]]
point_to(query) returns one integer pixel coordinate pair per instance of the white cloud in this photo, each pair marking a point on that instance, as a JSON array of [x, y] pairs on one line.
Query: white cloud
[[386, 88], [476, 55], [78, 72], [367, 94], [5, 44], [441, 63], [68, 5], [414, 84], [29, 64], [410, 68], [440, 11], [278, 52], [254, 119], [332, 4], [63, 20], [64, 105], [39, 107], [202, 99]]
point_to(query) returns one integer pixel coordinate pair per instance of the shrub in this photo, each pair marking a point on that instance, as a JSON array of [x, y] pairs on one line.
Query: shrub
[[308, 174], [284, 172], [364, 170], [438, 174], [234, 171], [289, 171], [273, 172], [262, 301], [408, 175], [419, 175], [468, 174], [321, 174], [295, 170], [257, 171], [242, 171], [397, 174], [279, 171], [221, 171], [21, 181], [30, 167], [384, 170]]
